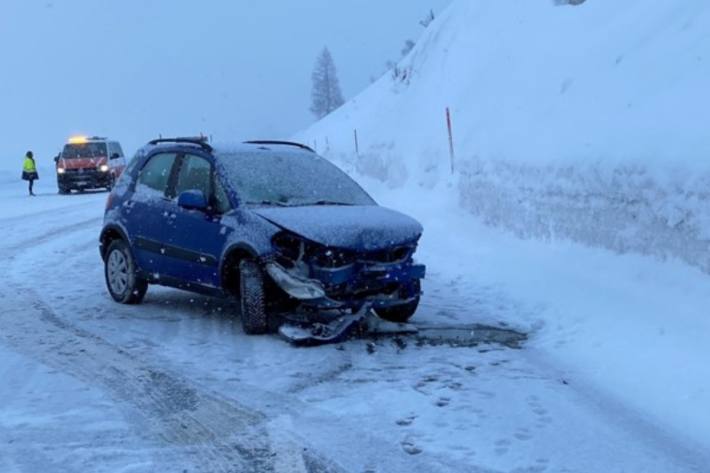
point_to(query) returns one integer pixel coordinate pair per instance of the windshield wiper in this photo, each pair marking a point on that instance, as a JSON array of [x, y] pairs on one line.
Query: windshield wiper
[[330, 202], [269, 202]]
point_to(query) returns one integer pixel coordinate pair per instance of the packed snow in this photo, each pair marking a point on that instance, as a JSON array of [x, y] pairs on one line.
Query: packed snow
[[580, 185], [577, 213], [582, 122], [174, 384]]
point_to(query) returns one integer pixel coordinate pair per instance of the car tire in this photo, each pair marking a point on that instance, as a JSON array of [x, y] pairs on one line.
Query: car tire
[[399, 313], [252, 298], [64, 191], [122, 280]]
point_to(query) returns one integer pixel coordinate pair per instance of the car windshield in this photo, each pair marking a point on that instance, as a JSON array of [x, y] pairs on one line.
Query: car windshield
[[290, 179], [84, 150]]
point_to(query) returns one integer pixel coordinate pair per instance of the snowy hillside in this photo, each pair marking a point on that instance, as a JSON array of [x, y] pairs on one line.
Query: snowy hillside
[[580, 122], [577, 123]]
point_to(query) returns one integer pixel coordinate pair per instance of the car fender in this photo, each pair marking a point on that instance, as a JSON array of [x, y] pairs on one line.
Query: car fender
[[248, 233], [109, 228]]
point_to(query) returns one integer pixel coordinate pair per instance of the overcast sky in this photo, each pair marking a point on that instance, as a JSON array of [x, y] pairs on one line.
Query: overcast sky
[[132, 69]]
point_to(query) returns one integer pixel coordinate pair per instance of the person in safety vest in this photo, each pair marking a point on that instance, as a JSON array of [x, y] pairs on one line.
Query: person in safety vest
[[29, 170]]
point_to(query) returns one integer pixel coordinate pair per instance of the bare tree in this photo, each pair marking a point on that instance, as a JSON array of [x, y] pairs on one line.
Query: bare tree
[[326, 94]]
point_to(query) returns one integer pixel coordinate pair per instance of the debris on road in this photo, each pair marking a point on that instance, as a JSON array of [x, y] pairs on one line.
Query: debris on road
[[367, 324]]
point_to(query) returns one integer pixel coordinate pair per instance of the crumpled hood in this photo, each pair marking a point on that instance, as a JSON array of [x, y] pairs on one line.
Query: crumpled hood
[[368, 228]]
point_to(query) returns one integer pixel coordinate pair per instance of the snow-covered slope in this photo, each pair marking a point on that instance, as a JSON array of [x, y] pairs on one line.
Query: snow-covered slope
[[582, 122]]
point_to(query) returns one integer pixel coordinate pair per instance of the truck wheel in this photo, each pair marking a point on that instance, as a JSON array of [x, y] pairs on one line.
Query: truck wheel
[[399, 313], [122, 280], [252, 300]]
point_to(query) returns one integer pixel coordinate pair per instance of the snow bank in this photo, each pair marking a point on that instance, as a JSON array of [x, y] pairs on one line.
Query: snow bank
[[624, 208], [580, 122]]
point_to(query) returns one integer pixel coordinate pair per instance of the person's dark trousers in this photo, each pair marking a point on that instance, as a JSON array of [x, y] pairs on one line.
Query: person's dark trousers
[[32, 183]]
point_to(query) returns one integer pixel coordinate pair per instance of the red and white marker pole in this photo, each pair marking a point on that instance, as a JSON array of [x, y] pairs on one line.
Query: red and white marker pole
[[449, 126]]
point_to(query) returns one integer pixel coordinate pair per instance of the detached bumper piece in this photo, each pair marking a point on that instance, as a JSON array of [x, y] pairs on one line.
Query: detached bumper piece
[[351, 286], [365, 321]]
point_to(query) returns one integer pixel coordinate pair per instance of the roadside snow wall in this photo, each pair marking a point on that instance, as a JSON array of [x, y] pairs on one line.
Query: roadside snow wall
[[589, 123]]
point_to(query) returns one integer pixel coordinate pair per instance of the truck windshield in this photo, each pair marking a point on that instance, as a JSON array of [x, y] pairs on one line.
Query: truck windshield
[[84, 150]]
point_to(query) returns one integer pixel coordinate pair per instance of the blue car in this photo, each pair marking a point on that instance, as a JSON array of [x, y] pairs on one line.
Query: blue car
[[269, 223]]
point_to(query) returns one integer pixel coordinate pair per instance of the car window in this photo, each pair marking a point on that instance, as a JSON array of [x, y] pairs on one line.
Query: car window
[[115, 148], [195, 174], [155, 175]]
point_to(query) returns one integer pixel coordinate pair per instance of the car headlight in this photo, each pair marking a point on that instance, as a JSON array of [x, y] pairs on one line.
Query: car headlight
[[291, 248], [294, 284], [61, 170], [104, 168]]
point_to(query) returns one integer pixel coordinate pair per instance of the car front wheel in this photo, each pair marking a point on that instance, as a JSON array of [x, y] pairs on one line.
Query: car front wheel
[[252, 298], [122, 280]]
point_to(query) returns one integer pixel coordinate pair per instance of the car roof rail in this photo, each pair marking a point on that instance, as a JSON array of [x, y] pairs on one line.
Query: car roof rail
[[277, 142], [194, 140]]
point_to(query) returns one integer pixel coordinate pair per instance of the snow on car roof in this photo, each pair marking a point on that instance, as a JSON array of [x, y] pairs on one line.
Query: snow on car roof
[[226, 148], [251, 147]]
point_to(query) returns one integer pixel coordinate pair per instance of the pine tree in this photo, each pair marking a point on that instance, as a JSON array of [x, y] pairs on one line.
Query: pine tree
[[326, 94]]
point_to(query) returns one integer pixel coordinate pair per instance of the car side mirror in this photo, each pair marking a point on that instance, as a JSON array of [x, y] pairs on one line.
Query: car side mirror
[[56, 159], [193, 200], [115, 156]]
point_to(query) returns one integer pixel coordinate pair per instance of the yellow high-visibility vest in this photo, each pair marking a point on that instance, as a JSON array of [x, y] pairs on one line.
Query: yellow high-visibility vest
[[29, 165]]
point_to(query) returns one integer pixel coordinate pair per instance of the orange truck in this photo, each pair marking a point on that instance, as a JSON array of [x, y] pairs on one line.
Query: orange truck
[[89, 163]]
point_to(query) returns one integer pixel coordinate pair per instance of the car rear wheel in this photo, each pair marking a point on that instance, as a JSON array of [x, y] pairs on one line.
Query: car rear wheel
[[122, 280], [252, 298]]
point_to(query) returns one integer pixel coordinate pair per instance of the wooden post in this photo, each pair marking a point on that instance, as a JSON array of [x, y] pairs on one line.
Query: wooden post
[[451, 139], [357, 144]]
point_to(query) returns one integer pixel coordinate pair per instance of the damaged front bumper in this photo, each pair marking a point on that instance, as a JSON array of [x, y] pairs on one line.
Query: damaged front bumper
[[377, 285]]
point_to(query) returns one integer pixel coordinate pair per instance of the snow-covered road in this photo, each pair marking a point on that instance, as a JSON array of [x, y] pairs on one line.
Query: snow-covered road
[[175, 385]]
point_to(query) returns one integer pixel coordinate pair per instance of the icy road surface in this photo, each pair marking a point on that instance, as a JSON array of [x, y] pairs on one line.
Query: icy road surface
[[174, 385]]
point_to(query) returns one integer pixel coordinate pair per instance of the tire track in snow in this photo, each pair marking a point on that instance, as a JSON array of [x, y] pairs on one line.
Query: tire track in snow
[[201, 429], [192, 425], [46, 213], [216, 434]]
